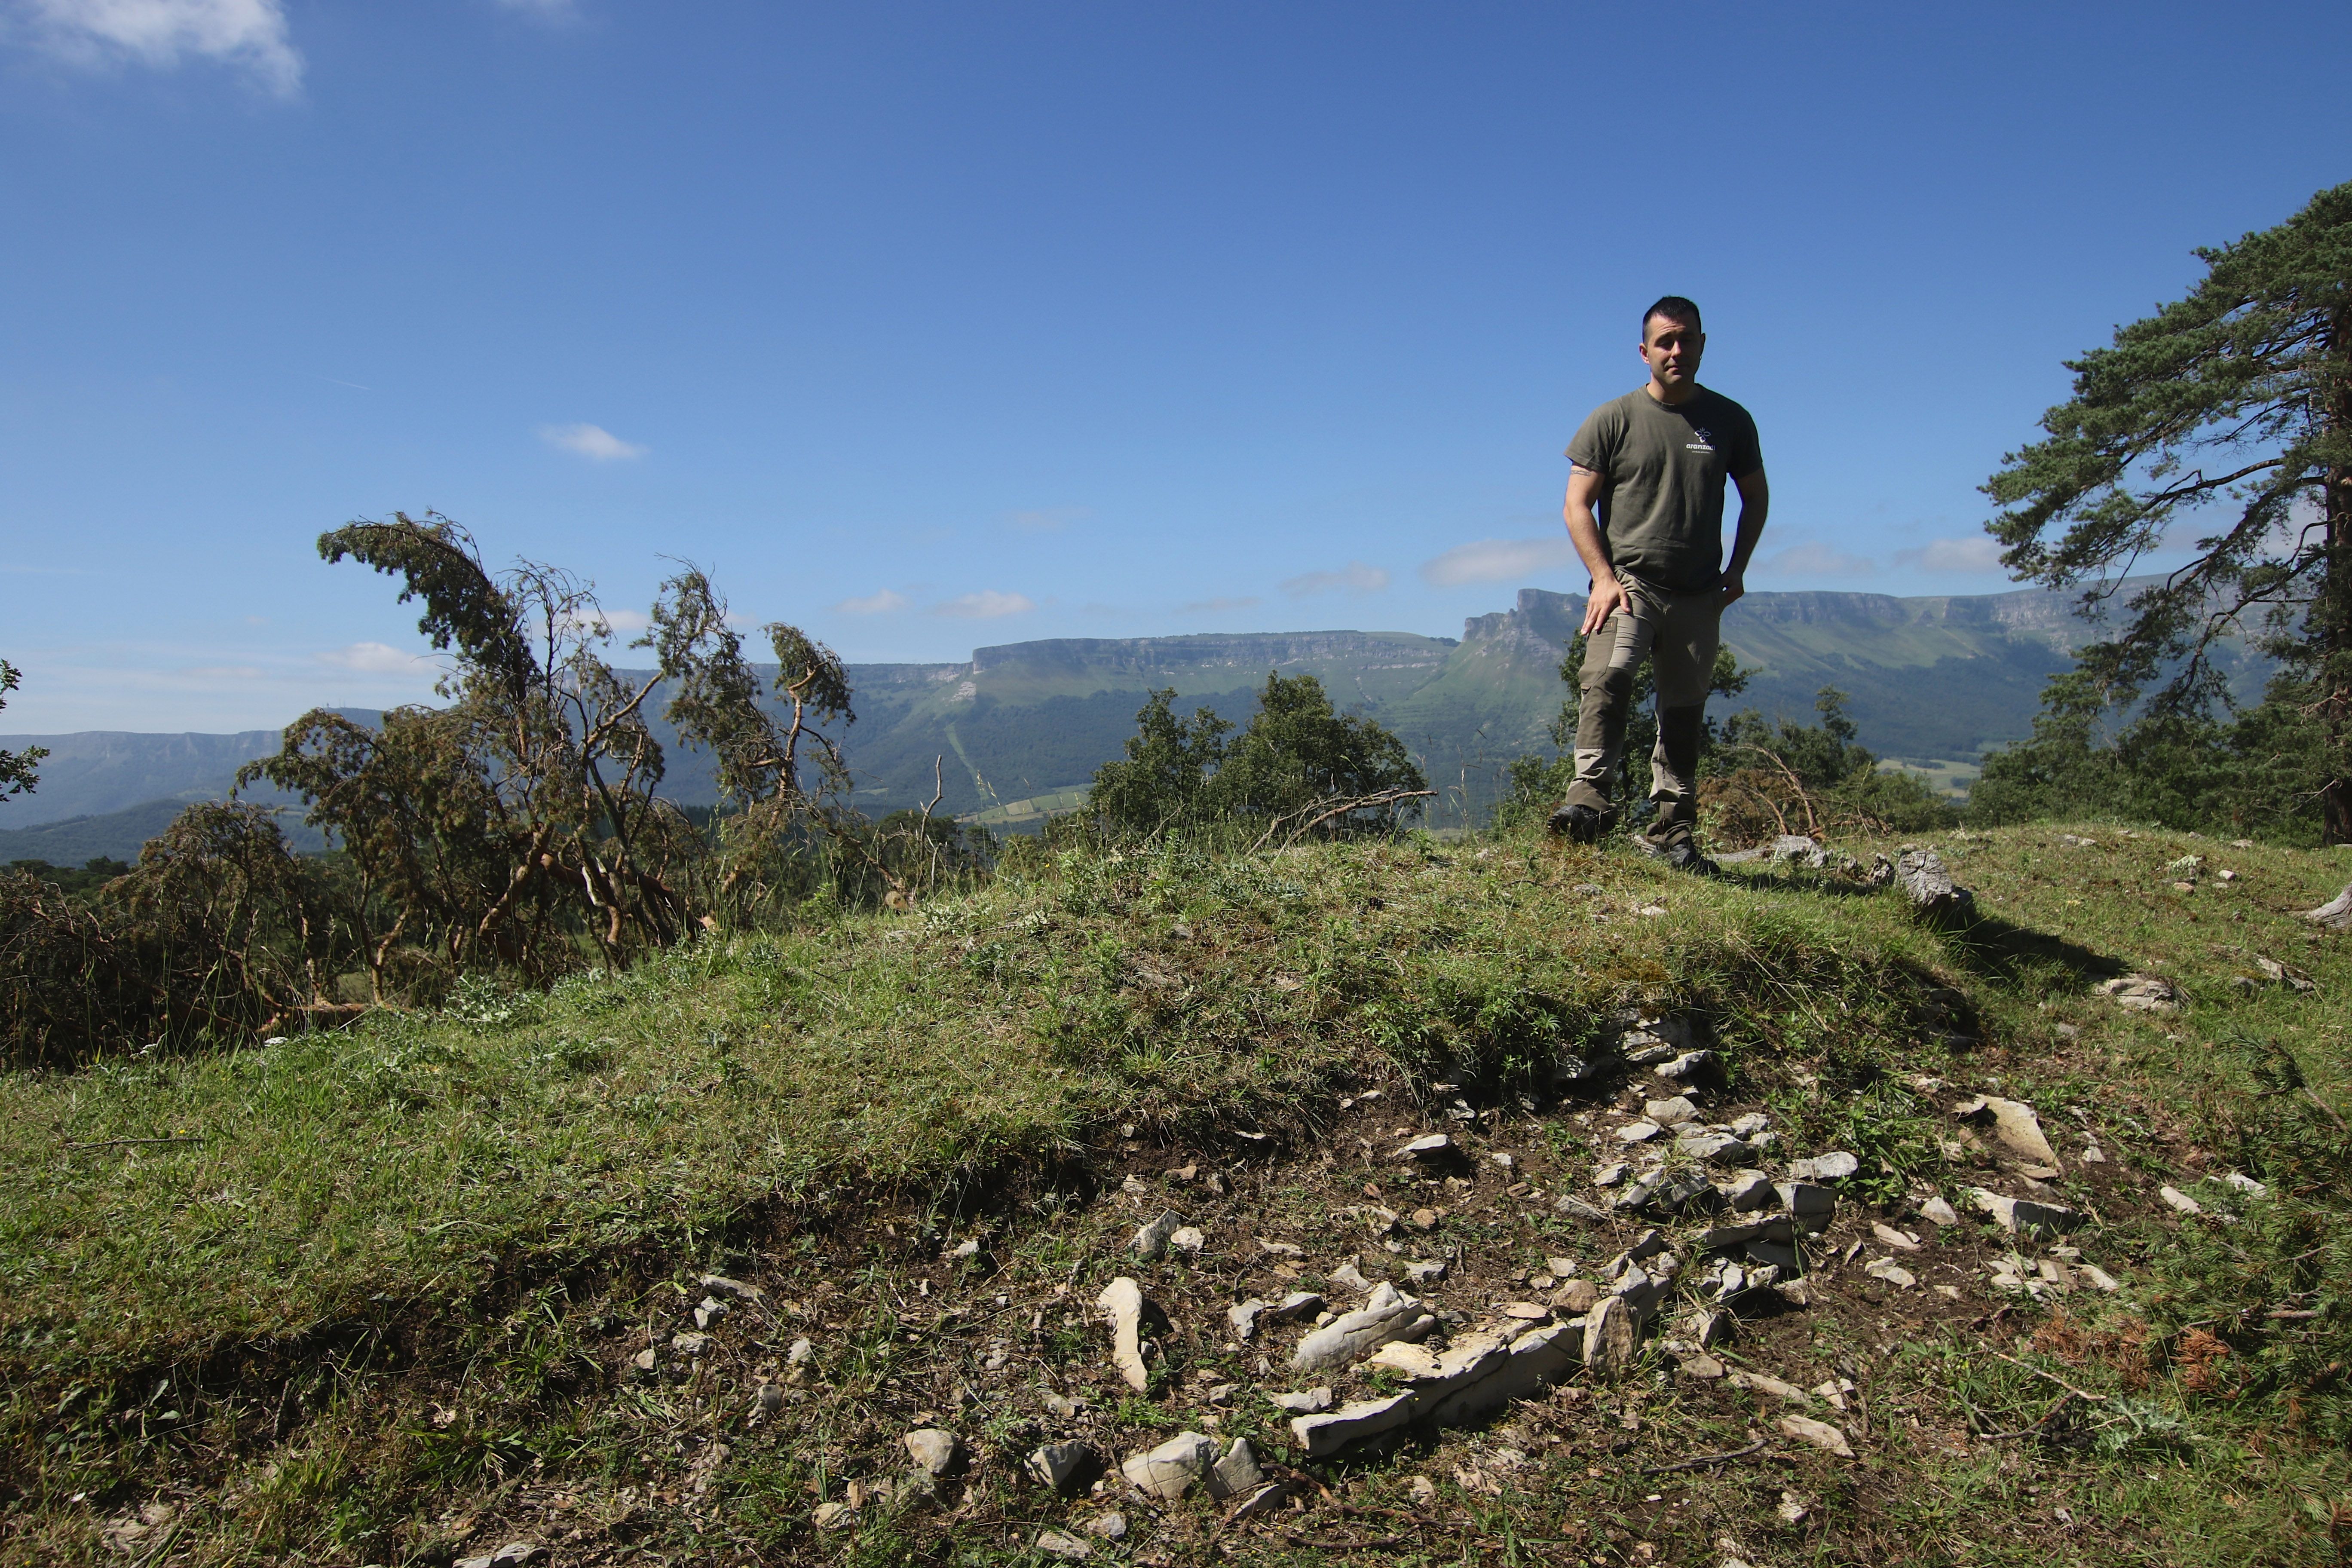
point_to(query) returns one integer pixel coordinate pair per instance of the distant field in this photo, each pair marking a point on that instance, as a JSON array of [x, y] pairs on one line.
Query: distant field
[[1943, 774]]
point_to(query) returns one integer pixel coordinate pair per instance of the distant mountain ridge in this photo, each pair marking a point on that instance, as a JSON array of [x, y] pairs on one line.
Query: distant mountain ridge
[[1942, 677]]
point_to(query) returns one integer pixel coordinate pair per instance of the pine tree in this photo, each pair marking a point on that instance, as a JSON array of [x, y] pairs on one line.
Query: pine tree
[[2228, 412]]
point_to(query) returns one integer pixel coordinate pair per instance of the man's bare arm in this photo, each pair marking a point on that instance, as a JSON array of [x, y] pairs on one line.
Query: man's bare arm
[[1584, 533], [1754, 501]]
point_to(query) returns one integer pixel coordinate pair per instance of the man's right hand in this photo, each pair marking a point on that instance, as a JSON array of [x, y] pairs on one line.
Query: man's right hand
[[1609, 597]]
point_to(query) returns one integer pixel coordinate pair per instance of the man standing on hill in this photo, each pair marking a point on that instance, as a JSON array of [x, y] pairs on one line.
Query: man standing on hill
[[1646, 511]]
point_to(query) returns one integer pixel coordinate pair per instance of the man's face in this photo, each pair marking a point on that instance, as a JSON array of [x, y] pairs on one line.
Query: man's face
[[1672, 349]]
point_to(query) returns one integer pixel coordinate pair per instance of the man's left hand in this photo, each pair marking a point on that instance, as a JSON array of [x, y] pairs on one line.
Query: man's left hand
[[1735, 584]]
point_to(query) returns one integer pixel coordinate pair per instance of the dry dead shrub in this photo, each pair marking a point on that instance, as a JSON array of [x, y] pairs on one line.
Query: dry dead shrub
[[2121, 1349], [2200, 1355]]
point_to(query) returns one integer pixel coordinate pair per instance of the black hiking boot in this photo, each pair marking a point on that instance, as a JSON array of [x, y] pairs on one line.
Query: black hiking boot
[[1684, 855], [1578, 824]]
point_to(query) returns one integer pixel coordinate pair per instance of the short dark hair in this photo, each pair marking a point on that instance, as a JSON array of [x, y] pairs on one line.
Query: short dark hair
[[1673, 308]]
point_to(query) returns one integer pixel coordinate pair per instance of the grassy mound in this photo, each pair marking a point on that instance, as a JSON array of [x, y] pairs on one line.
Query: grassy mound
[[365, 1296]]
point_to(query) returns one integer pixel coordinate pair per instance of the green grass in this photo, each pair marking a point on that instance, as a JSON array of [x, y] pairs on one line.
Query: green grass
[[360, 1226]]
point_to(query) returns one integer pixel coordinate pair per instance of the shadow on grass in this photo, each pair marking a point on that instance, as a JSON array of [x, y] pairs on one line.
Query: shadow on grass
[[1985, 944]]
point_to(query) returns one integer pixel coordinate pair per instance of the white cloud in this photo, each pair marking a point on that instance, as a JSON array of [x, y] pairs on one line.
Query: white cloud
[[1213, 606], [1498, 560], [882, 603], [248, 33], [1980, 553], [1355, 577], [378, 658], [590, 441], [1815, 559], [985, 605]]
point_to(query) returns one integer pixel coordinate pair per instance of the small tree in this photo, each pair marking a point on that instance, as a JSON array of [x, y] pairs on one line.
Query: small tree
[[17, 769], [2229, 411], [1166, 771], [1299, 767]]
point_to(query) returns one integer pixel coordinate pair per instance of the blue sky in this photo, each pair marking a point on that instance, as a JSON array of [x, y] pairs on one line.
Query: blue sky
[[936, 326]]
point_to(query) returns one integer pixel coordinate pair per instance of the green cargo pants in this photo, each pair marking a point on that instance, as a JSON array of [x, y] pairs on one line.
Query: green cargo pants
[[1678, 633]]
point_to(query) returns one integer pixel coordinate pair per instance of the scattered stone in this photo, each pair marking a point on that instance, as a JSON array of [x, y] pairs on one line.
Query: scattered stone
[[1561, 1267], [1749, 1125], [965, 1251], [1298, 1304], [1713, 1148], [2020, 1215], [1820, 1434], [1701, 1365], [1424, 1219], [833, 1516], [2014, 1126], [513, 1552], [1123, 1300], [1810, 1206], [1893, 1273], [1827, 1167], [1174, 1467], [1061, 1466], [1687, 1067], [1798, 848], [1435, 1146], [2335, 913], [1109, 1526], [2177, 1199], [1929, 886], [1062, 1405], [1609, 1337], [1152, 1241], [1640, 1132], [933, 1449], [1388, 1315], [1313, 1402], [1269, 1496], [1577, 1208], [735, 1290], [1576, 1297], [1900, 1240], [1764, 1383], [689, 1343], [1188, 1240], [1611, 1172], [1426, 1271], [1527, 1311], [1748, 1190], [1236, 1473], [1349, 1275], [2246, 1185], [1791, 1510], [1937, 1210], [1325, 1435], [1424, 1490], [1243, 1316], [1670, 1112], [2144, 994], [1063, 1544], [644, 1360], [2100, 1277]]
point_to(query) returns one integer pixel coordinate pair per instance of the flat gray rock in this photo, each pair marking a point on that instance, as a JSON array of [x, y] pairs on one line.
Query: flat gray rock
[[1829, 1167]]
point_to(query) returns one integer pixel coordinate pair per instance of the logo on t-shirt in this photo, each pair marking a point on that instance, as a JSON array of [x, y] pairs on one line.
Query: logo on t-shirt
[[1700, 440]]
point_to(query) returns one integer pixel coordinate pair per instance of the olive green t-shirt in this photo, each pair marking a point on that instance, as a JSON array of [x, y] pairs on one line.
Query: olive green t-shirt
[[1662, 472]]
